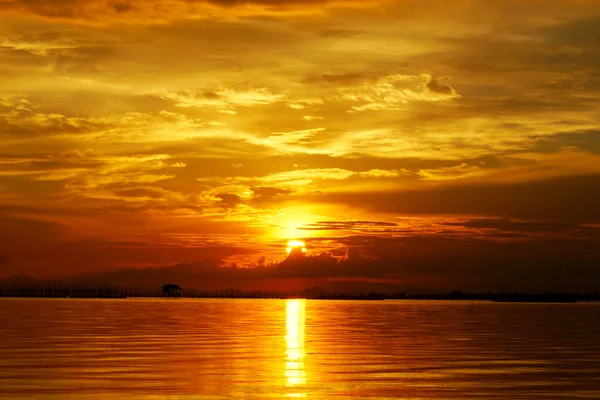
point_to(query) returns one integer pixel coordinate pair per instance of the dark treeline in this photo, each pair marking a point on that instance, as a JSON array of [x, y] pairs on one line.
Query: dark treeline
[[91, 292], [512, 297], [116, 292]]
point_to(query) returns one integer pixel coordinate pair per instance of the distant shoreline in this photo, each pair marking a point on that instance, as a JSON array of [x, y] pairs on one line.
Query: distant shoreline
[[111, 292], [301, 298]]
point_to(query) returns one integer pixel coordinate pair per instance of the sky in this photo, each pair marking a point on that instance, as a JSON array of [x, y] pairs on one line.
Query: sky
[[411, 145]]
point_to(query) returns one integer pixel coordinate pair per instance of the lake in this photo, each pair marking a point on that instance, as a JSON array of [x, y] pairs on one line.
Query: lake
[[274, 349]]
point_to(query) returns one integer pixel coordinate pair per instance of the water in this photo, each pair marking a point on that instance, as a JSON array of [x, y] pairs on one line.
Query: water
[[274, 349]]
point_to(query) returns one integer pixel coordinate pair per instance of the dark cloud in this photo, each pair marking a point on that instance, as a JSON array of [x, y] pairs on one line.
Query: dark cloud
[[340, 33], [276, 3], [339, 79], [437, 87], [211, 95], [511, 225], [346, 225], [56, 256], [426, 263], [588, 141], [266, 195], [475, 263], [559, 72], [354, 254], [186, 274], [574, 198], [122, 7], [269, 192], [228, 200], [508, 235], [150, 192], [47, 8], [579, 32]]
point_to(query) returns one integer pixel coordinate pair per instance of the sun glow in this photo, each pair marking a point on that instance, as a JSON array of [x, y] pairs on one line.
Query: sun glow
[[296, 244]]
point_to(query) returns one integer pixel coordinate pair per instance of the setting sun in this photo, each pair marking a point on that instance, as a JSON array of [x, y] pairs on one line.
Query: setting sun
[[296, 244]]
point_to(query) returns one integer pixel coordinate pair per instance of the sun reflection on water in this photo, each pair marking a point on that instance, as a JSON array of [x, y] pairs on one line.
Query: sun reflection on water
[[294, 364]]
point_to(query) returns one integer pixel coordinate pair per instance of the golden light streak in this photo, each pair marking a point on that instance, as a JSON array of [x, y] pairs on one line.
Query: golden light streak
[[294, 365]]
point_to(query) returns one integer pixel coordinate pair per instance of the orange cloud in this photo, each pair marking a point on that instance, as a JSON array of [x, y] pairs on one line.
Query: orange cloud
[[125, 11]]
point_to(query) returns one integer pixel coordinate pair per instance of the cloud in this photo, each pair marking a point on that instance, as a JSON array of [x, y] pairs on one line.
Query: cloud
[[447, 173], [298, 179], [413, 263], [266, 191], [369, 226], [584, 140], [265, 196], [20, 117], [302, 137], [439, 88], [228, 200], [574, 198], [581, 31], [122, 7], [337, 80], [306, 176], [382, 173], [516, 225], [250, 118], [42, 45], [159, 10], [147, 194], [311, 118], [39, 123], [225, 100], [394, 92], [90, 175]]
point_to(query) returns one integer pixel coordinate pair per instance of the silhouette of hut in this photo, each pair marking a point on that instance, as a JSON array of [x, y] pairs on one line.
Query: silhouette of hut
[[170, 290]]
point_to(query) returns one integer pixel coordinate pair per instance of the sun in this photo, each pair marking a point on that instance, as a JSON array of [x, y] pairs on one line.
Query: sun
[[296, 244]]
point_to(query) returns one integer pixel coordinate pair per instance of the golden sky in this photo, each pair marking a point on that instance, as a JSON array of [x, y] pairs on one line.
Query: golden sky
[[418, 143]]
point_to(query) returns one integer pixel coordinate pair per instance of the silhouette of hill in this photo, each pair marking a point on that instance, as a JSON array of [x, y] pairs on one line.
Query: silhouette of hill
[[19, 279]]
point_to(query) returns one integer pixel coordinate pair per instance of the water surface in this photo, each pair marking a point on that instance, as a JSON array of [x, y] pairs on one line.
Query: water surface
[[274, 349]]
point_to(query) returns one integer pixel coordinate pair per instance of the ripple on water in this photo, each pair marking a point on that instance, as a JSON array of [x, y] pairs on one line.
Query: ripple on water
[[230, 349]]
